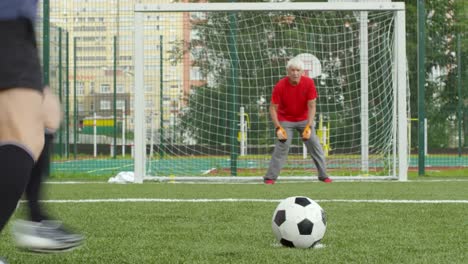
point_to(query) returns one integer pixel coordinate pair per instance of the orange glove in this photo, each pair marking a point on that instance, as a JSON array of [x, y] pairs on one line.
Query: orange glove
[[306, 133], [281, 134]]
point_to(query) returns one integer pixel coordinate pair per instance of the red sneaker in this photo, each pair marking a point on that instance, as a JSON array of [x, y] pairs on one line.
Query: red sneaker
[[269, 181], [326, 180]]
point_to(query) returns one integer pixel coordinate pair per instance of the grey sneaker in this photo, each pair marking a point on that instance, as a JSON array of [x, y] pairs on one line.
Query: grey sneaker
[[46, 236]]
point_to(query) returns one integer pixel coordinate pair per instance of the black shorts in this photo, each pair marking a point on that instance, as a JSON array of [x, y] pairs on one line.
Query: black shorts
[[19, 59]]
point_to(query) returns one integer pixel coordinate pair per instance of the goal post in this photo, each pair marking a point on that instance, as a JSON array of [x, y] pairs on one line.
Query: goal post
[[207, 61]]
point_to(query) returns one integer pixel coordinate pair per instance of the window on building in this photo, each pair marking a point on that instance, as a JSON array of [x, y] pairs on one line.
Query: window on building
[[195, 74], [120, 88], [195, 34], [148, 88], [149, 103], [105, 88], [105, 105], [79, 88], [120, 104]]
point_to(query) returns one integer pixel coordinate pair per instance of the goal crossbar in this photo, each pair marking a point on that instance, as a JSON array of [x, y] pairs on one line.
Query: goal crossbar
[[223, 7]]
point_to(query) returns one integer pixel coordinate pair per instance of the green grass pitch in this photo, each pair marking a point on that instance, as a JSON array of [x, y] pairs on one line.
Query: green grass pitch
[[420, 221]]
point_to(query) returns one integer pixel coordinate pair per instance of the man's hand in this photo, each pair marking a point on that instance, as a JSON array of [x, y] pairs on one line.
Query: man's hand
[[306, 133], [281, 134]]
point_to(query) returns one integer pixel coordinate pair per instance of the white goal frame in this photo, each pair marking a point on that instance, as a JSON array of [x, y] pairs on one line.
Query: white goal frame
[[399, 72]]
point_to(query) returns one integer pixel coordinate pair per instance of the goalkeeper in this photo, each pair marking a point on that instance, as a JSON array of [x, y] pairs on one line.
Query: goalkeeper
[[293, 106]]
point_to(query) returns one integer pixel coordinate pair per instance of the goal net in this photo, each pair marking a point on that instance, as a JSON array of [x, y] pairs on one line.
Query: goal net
[[211, 69]]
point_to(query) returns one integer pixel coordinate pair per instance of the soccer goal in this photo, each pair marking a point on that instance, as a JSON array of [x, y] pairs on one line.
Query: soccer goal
[[211, 68]]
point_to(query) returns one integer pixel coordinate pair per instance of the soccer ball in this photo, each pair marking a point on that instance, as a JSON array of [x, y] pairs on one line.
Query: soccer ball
[[299, 222]]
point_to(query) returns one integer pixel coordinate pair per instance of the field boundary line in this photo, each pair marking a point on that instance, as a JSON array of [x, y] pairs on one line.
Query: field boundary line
[[224, 200]]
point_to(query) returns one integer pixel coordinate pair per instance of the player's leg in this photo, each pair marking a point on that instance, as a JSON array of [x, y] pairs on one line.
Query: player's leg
[[41, 233], [21, 119], [280, 153], [316, 152], [34, 188], [52, 118], [20, 144]]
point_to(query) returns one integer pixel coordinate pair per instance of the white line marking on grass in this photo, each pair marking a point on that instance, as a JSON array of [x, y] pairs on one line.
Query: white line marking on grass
[[398, 201], [222, 200], [75, 182], [111, 168]]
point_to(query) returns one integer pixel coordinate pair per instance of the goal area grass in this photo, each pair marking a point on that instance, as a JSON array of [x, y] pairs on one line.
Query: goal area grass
[[419, 221], [90, 168]]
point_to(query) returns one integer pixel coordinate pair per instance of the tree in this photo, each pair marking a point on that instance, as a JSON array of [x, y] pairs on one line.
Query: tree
[[445, 20]]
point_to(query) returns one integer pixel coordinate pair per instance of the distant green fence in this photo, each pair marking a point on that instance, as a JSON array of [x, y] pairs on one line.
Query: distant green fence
[[91, 71]]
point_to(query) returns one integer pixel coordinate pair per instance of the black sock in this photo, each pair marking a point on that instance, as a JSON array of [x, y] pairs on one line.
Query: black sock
[[15, 168], [40, 171]]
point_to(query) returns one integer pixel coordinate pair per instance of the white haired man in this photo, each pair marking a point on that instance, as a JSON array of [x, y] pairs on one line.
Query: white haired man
[[293, 107]]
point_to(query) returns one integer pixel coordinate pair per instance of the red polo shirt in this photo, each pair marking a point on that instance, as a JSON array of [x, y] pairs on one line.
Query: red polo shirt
[[292, 100]]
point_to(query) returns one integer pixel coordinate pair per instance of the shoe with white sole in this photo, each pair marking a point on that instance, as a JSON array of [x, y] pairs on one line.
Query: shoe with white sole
[[45, 236]]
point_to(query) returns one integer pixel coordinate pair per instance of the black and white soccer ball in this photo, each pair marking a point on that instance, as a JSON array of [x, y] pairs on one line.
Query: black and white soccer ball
[[299, 222]]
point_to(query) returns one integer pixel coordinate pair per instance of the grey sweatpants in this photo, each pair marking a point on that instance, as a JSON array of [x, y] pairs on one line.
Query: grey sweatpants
[[281, 151]]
